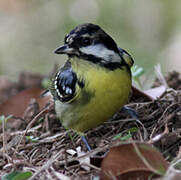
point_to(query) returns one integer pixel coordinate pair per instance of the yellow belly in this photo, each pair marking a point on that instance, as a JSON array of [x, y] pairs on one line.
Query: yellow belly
[[104, 93]]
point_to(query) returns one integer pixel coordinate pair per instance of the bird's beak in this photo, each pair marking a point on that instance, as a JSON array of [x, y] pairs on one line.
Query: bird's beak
[[65, 49]]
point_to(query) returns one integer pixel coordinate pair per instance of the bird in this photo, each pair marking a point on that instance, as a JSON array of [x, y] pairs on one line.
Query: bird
[[95, 81]]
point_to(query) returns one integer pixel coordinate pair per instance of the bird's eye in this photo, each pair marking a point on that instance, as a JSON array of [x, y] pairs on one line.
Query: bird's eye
[[86, 41]]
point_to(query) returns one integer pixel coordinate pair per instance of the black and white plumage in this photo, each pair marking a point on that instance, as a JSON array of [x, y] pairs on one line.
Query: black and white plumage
[[65, 82]]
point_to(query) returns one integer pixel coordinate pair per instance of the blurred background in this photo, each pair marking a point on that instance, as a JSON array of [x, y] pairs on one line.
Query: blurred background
[[31, 29]]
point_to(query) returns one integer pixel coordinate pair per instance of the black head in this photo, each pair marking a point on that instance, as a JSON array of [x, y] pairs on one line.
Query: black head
[[90, 42]]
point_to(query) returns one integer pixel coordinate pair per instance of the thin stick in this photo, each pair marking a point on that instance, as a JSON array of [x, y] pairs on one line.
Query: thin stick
[[4, 139], [47, 165], [155, 128], [32, 122], [145, 160]]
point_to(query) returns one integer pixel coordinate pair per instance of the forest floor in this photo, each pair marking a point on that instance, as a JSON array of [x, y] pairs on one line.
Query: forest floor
[[34, 140]]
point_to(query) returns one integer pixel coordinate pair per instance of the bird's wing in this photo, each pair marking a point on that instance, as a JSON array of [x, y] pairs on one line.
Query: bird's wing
[[64, 84], [127, 57]]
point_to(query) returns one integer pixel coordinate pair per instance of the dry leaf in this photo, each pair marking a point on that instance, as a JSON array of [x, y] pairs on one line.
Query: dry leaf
[[132, 161], [16, 105], [157, 92], [83, 161]]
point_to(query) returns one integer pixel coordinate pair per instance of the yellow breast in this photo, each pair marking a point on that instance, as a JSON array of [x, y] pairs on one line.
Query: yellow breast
[[104, 93]]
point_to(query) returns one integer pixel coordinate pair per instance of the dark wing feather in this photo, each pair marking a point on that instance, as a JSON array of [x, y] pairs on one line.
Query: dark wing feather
[[64, 84], [127, 57]]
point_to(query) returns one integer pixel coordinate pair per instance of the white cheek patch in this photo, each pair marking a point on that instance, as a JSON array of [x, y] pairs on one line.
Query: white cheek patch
[[102, 52]]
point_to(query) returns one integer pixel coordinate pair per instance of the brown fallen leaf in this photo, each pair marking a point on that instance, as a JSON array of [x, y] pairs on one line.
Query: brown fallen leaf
[[133, 161], [16, 105]]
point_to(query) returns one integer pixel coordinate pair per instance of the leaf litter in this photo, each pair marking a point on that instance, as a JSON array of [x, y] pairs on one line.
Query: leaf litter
[[35, 141]]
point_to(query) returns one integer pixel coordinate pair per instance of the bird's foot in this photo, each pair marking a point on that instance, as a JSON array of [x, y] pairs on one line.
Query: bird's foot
[[86, 143], [130, 112]]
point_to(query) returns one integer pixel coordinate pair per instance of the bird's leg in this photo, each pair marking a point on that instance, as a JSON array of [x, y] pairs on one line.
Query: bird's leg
[[69, 135], [86, 143], [82, 137], [130, 111]]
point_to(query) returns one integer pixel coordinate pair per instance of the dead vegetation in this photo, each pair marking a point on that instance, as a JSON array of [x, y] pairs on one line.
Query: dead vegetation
[[37, 142]]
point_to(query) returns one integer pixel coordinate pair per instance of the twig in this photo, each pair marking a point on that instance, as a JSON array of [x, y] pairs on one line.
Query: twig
[[179, 153], [91, 166], [119, 120], [4, 139], [32, 122], [145, 160], [132, 119], [159, 136], [95, 151], [47, 165], [155, 128], [30, 130]]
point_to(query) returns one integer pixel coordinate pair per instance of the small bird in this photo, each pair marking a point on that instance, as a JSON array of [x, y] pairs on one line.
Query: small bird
[[95, 81]]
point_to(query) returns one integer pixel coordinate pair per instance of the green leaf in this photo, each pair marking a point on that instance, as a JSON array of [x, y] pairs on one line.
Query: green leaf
[[137, 71], [10, 176], [127, 136], [32, 138], [133, 130], [3, 118], [15, 175], [117, 136]]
